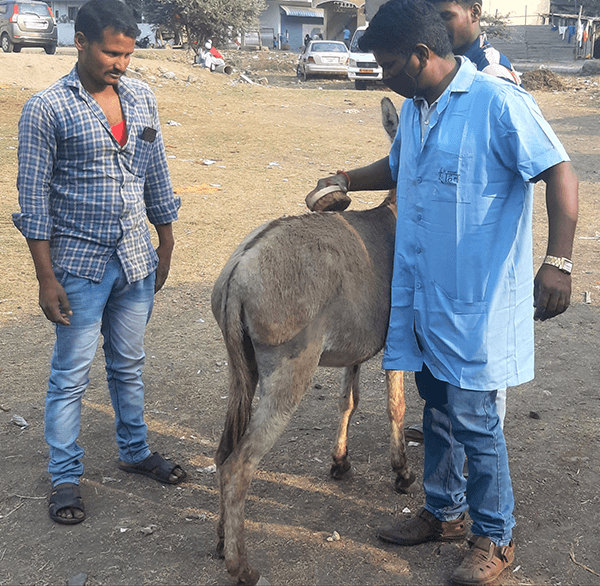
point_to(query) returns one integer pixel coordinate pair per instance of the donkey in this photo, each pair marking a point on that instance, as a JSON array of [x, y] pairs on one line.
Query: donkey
[[297, 293]]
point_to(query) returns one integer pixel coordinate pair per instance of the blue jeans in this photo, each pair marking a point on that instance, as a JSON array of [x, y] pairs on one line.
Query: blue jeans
[[120, 311], [458, 421]]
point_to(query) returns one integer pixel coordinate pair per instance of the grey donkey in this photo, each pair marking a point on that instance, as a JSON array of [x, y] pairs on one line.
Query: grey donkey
[[298, 293]]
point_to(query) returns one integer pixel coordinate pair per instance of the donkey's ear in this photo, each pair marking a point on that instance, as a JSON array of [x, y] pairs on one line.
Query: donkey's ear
[[389, 117]]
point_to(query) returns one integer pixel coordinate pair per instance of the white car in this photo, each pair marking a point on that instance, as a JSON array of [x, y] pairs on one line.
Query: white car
[[323, 58], [362, 67]]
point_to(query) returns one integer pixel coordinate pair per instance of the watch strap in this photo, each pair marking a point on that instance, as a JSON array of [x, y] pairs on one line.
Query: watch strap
[[563, 264]]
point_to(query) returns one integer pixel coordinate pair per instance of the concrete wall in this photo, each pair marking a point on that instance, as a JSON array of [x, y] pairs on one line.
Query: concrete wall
[[521, 12]]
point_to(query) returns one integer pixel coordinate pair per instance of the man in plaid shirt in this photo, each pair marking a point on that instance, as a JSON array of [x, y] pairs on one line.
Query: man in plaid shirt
[[92, 168]]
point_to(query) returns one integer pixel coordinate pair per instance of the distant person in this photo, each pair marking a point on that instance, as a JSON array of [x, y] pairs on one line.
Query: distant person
[[210, 57], [462, 20], [307, 39], [92, 171], [347, 37]]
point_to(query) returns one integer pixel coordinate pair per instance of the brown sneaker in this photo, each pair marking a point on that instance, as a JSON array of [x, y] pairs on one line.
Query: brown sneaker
[[424, 527], [484, 562]]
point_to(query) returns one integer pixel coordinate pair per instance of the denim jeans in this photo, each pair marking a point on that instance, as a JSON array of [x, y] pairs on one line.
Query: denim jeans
[[120, 311], [458, 422]]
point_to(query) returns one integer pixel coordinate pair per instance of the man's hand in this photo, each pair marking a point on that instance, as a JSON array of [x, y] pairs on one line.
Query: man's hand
[[551, 293], [164, 265], [54, 302], [374, 177]]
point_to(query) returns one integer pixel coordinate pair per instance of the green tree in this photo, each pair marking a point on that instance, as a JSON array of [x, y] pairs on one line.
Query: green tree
[[200, 20], [495, 25]]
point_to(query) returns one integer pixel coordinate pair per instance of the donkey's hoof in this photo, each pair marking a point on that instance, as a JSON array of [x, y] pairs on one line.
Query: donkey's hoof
[[404, 485], [251, 577], [338, 471], [220, 549]]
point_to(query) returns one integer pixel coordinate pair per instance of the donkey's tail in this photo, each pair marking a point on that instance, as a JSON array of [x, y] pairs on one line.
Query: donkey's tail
[[242, 371]]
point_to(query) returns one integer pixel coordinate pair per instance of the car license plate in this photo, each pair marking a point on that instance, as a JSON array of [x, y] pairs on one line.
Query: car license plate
[[329, 60], [365, 71], [35, 24]]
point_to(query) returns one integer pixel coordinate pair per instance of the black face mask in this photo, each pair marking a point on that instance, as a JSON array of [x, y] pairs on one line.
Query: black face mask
[[402, 83]]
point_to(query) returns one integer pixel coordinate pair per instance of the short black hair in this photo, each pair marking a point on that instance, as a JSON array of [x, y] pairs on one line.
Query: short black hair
[[463, 3], [400, 25], [97, 15]]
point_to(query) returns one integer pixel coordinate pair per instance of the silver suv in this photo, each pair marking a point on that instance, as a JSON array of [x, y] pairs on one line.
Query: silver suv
[[27, 24]]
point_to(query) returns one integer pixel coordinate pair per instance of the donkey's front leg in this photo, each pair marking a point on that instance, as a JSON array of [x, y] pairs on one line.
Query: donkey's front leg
[[348, 404], [396, 409]]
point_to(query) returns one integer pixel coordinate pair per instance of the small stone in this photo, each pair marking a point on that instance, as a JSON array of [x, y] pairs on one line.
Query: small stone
[[78, 580], [335, 536], [534, 415], [19, 421]]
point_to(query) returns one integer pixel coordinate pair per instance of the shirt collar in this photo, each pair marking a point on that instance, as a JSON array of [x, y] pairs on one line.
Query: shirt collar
[[461, 83], [474, 50], [123, 87]]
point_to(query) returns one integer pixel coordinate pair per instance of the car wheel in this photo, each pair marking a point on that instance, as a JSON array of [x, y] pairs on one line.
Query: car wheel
[[360, 85], [17, 48], [50, 49], [298, 71], [7, 45]]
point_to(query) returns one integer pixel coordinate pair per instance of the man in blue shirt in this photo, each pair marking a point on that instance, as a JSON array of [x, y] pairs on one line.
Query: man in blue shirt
[[468, 151], [92, 169], [462, 21], [347, 36]]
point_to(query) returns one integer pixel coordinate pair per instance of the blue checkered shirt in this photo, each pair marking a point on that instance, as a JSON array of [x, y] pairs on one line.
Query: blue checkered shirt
[[84, 192]]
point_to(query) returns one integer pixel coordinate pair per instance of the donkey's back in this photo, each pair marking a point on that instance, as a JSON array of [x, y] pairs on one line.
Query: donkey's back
[[328, 273]]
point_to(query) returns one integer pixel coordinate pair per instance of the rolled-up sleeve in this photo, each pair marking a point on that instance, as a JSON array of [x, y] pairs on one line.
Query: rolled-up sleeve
[[161, 204], [37, 156]]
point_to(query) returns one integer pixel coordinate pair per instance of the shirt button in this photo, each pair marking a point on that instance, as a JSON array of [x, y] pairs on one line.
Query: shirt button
[[418, 286], [426, 121], [419, 217], [418, 250]]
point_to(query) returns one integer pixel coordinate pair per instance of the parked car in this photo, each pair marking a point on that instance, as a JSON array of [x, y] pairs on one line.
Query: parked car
[[27, 24], [362, 67], [323, 58]]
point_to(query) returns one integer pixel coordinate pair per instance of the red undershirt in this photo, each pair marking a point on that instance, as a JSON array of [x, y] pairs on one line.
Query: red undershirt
[[120, 132]]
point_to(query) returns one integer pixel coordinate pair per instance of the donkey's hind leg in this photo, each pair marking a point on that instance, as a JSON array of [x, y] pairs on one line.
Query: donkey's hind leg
[[396, 409], [348, 404], [280, 389]]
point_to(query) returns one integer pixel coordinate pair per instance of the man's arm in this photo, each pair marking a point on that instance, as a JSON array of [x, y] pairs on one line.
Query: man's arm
[[166, 243], [552, 290], [37, 152], [374, 177], [52, 297]]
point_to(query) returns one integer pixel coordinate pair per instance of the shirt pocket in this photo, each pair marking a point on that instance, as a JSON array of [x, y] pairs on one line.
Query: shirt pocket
[[457, 327], [142, 154]]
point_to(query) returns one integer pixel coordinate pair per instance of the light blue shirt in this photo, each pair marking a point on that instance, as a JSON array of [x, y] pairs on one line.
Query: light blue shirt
[[462, 289]]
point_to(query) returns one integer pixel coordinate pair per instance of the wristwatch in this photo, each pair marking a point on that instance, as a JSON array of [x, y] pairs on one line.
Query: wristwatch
[[562, 264]]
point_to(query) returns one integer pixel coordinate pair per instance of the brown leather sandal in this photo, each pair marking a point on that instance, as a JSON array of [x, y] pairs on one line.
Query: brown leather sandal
[[484, 562], [423, 527]]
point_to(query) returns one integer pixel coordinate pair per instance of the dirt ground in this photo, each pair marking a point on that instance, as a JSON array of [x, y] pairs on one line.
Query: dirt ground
[[242, 154]]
